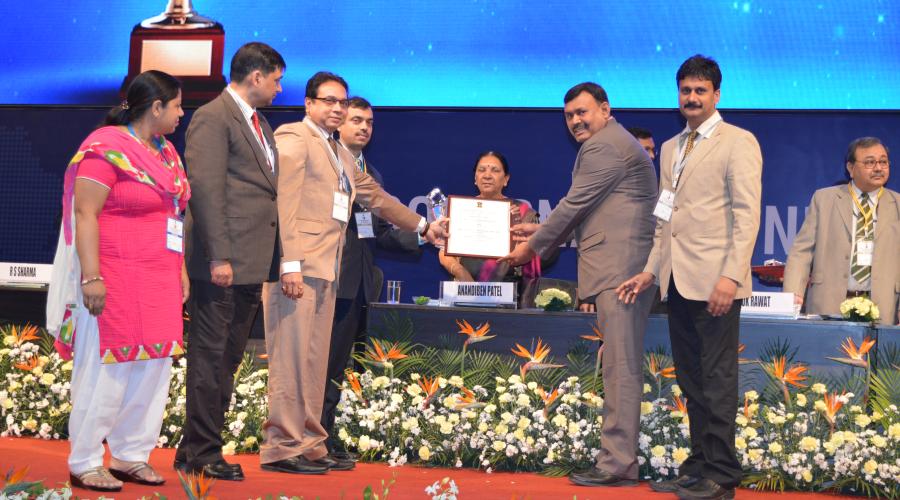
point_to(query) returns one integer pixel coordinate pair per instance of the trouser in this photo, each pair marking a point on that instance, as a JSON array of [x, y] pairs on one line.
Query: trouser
[[348, 329], [623, 327], [298, 337], [705, 350], [122, 403], [221, 320]]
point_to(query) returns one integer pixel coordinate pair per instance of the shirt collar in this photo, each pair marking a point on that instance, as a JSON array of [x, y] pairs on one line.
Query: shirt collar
[[705, 129], [322, 132], [873, 195], [246, 109]]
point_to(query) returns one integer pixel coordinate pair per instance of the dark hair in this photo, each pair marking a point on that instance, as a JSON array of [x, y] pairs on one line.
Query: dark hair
[[591, 88], [495, 155], [640, 133], [312, 85], [149, 86], [360, 103], [862, 142], [255, 56], [702, 68]]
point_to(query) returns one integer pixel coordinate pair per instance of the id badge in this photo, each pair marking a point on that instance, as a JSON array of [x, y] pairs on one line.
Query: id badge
[[364, 227], [175, 234], [341, 208], [664, 205], [864, 250]]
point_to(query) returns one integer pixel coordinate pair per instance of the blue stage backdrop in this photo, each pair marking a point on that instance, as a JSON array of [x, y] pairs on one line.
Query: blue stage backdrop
[[419, 149], [803, 54]]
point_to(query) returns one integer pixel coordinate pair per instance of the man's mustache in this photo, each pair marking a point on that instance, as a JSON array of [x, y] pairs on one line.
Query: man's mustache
[[693, 105]]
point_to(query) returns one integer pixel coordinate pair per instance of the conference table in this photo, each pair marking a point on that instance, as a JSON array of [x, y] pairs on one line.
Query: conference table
[[813, 339]]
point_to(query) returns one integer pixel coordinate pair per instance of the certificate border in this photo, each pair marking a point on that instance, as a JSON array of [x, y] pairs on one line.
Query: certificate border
[[508, 201]]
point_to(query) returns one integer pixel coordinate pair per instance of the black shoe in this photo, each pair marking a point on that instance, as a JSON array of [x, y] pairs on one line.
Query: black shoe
[[706, 489], [335, 463], [220, 470], [671, 485], [597, 477], [344, 455], [296, 465]]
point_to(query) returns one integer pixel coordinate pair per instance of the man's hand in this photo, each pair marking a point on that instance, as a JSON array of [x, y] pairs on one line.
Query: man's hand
[[220, 273], [722, 297], [292, 285], [521, 255], [437, 232], [521, 232], [798, 300], [630, 288], [587, 307]]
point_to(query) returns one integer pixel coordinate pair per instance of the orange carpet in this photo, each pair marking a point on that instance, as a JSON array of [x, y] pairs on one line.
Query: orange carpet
[[47, 461]]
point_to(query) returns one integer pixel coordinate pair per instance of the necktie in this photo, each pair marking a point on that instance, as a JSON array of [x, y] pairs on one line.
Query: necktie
[[333, 144], [262, 141], [345, 182], [690, 144], [359, 164], [863, 232]]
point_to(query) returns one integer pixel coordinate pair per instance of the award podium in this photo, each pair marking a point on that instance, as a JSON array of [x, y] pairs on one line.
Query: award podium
[[184, 44]]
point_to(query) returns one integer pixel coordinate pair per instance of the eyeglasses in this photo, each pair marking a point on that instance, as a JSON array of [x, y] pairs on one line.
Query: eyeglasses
[[331, 101], [869, 163]]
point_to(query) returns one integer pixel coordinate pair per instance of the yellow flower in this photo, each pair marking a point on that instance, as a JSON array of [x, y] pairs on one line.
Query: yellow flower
[[48, 379], [749, 432], [646, 407], [501, 429], [647, 388], [849, 437], [801, 400], [751, 395], [7, 403], [424, 452], [250, 441], [775, 448], [574, 430], [483, 427], [559, 420], [819, 388], [229, 448], [740, 443], [551, 456], [741, 420], [519, 434], [446, 428], [676, 391], [870, 467], [523, 400], [498, 445], [862, 420], [876, 416], [364, 443], [30, 424], [894, 431], [658, 450], [809, 444], [879, 441], [523, 422], [755, 454], [819, 405], [679, 455], [806, 475]]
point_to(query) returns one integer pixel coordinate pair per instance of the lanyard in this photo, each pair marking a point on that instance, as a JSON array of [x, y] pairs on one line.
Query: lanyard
[[869, 213]]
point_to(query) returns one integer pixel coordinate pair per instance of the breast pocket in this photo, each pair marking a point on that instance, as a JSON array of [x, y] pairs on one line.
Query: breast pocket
[[591, 241]]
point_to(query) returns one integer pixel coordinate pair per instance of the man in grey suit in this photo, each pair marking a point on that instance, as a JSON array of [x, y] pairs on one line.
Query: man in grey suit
[[232, 245], [609, 207]]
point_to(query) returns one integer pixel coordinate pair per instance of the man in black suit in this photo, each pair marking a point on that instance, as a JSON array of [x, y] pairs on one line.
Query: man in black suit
[[232, 245], [360, 279]]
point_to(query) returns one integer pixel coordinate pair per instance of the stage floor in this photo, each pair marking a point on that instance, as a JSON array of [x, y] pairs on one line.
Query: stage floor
[[47, 461]]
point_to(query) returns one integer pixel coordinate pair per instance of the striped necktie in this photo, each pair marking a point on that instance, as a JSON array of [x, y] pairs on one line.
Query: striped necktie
[[863, 232]]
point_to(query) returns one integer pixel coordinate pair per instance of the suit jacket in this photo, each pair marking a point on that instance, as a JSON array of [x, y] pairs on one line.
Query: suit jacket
[[358, 256], [308, 179], [715, 219], [820, 254], [232, 214], [609, 207]]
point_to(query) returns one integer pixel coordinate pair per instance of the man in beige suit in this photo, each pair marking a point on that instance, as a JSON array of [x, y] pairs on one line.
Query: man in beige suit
[[318, 184], [609, 209], [707, 221], [826, 254]]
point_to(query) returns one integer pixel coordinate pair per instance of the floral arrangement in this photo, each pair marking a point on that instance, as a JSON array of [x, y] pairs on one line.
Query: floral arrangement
[[531, 412], [860, 309], [553, 299]]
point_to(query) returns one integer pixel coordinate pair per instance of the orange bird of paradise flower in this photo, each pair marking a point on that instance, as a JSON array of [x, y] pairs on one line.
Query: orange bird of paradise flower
[[596, 337], [744, 361], [833, 405], [197, 486], [466, 400], [379, 357], [679, 404], [855, 356], [548, 398], [475, 335], [535, 359], [29, 365], [656, 371], [430, 386], [15, 476], [793, 376], [24, 334], [353, 380]]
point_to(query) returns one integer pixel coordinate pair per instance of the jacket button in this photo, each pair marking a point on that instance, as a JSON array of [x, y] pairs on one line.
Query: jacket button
[[675, 209], [273, 198], [674, 235], [272, 224]]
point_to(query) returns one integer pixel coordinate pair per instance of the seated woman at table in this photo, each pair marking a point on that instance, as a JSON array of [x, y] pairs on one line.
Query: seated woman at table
[[491, 177]]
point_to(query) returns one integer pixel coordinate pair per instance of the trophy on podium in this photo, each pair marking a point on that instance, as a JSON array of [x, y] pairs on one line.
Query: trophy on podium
[[184, 44]]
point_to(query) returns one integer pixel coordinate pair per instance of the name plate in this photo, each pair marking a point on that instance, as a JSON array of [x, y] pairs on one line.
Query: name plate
[[482, 294], [16, 272], [770, 305]]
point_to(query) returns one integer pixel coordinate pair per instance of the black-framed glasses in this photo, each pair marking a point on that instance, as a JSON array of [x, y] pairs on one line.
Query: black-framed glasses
[[869, 163], [331, 101]]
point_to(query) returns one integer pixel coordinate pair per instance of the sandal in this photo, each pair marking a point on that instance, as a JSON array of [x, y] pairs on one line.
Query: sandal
[[84, 480], [133, 474]]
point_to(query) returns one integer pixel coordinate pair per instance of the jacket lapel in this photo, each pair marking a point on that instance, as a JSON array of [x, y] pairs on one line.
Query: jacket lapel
[[326, 149], [698, 154], [250, 136], [887, 214]]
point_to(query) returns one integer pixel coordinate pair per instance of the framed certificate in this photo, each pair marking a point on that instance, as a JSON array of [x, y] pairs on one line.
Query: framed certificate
[[478, 227]]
